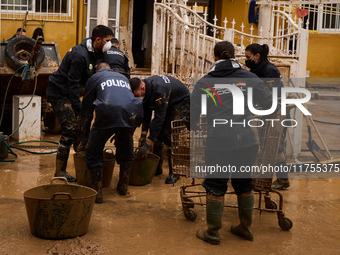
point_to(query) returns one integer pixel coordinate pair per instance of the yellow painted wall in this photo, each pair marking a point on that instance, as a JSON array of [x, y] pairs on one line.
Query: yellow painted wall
[[323, 56], [124, 12], [237, 10], [64, 33]]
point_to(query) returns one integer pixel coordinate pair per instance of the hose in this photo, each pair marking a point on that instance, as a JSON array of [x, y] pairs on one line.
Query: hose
[[22, 110], [33, 152], [3, 105]]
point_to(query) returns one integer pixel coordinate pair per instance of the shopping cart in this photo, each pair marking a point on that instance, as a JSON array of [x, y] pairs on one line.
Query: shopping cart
[[187, 153]]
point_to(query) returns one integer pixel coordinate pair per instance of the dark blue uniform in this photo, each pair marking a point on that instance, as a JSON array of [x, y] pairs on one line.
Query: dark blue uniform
[[118, 61], [118, 112], [169, 99], [235, 145]]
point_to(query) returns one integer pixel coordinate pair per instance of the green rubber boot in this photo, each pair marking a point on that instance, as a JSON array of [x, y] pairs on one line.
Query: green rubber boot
[[245, 213], [215, 205]]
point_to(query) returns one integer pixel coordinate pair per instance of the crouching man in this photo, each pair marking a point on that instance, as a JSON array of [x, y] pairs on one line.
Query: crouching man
[[118, 113]]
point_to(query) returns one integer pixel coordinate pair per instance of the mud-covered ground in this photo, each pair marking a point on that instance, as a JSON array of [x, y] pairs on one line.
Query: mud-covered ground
[[150, 220]]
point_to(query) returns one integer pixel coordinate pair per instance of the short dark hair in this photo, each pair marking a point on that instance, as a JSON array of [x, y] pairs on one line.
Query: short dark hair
[[224, 50], [135, 83], [102, 65], [101, 31], [19, 30], [115, 41]]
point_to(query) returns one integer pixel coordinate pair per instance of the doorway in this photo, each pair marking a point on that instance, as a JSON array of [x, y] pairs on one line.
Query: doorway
[[142, 33]]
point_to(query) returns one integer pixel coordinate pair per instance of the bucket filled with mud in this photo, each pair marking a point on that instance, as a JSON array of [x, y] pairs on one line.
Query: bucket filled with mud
[[143, 169], [83, 173], [59, 210]]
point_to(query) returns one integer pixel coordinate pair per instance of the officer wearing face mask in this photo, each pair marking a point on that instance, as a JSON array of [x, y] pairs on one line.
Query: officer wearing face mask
[[76, 68], [257, 61], [117, 60]]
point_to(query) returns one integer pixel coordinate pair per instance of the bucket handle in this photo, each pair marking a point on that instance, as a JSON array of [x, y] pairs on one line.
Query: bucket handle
[[60, 179], [61, 194]]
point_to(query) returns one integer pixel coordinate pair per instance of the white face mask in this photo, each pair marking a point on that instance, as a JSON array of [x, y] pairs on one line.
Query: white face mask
[[106, 46]]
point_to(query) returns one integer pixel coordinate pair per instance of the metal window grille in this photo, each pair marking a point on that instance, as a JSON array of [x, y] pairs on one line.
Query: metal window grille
[[56, 10]]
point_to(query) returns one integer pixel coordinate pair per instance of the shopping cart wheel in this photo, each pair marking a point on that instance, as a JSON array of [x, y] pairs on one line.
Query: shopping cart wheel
[[190, 214], [285, 224], [188, 203], [271, 205]]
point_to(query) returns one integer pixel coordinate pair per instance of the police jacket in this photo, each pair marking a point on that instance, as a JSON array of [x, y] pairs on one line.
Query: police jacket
[[234, 133], [110, 95], [162, 92], [117, 61], [76, 68], [269, 74]]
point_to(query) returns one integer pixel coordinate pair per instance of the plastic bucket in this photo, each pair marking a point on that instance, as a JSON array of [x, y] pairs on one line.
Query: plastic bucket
[[83, 173], [143, 169], [59, 211]]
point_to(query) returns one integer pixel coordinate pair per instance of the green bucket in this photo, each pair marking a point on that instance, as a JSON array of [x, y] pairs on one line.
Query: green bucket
[[83, 173], [143, 169]]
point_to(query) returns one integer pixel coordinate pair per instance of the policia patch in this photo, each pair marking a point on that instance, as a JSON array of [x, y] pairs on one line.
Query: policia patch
[[159, 101]]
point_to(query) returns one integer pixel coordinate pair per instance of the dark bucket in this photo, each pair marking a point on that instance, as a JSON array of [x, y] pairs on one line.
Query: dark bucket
[[83, 173], [143, 169], [59, 211]]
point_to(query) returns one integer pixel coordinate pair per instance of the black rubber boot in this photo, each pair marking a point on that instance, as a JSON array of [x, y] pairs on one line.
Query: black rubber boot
[[245, 213], [158, 150], [124, 177], [215, 205], [171, 178], [61, 163], [97, 183]]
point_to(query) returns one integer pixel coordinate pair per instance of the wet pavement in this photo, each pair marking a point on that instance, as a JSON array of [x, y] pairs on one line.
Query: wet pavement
[[150, 220]]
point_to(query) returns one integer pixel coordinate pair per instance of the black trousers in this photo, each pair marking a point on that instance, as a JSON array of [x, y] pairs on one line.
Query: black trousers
[[241, 182], [96, 145]]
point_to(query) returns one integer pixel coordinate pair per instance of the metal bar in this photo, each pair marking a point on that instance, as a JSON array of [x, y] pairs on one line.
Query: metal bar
[[117, 19]]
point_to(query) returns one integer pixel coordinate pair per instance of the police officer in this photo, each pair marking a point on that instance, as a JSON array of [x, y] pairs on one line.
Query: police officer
[[117, 60], [63, 89], [230, 144], [169, 99], [118, 112]]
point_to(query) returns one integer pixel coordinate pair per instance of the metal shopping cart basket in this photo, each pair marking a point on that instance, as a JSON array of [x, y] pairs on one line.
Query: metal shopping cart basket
[[187, 149]]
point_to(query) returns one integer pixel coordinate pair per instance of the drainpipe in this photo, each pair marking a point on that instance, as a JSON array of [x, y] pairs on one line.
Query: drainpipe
[[103, 12]]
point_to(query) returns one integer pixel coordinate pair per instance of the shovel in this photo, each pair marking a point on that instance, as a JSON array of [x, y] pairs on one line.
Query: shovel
[[312, 146]]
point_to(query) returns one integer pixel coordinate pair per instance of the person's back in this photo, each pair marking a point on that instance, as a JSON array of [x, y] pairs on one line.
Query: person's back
[[117, 60], [164, 84], [229, 72], [115, 105]]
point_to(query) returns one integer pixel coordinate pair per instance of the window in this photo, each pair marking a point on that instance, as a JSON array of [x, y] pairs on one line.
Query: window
[[322, 18], [37, 6]]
